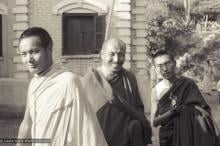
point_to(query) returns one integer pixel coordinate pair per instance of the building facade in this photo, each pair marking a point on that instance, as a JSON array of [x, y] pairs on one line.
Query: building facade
[[78, 28]]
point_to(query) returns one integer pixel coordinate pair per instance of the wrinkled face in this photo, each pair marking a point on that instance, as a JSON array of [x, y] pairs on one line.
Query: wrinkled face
[[165, 66], [113, 57], [34, 56]]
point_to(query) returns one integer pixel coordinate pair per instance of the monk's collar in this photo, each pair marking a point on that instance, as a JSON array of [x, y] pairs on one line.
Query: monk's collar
[[166, 82], [45, 72], [172, 81], [108, 75]]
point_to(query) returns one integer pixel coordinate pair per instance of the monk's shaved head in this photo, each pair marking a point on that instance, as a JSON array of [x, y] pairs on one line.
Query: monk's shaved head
[[117, 43], [113, 55]]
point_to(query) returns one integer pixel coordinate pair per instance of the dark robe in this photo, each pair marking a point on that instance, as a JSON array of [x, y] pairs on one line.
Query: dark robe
[[121, 113], [193, 126]]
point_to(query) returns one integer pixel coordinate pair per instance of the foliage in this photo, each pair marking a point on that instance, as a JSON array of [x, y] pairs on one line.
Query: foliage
[[190, 48], [169, 34]]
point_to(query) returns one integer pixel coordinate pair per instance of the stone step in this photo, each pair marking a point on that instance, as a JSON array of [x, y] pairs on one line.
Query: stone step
[[21, 17], [17, 59], [141, 33], [122, 8], [123, 15], [20, 26], [139, 57], [141, 49], [124, 32], [139, 10], [21, 2], [141, 18], [139, 42], [124, 1], [22, 9], [141, 3], [21, 67], [123, 24], [22, 75], [139, 25], [142, 64]]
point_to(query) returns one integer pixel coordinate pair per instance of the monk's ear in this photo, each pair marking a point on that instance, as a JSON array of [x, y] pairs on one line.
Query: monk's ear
[[50, 45]]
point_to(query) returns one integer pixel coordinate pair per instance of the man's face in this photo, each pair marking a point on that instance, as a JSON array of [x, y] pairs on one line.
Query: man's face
[[165, 66], [34, 56], [113, 57]]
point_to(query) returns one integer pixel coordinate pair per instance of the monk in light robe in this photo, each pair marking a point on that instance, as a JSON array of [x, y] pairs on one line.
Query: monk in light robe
[[57, 111], [114, 94], [179, 108]]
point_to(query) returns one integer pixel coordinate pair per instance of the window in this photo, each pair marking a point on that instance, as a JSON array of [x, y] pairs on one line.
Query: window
[[207, 23], [83, 34]]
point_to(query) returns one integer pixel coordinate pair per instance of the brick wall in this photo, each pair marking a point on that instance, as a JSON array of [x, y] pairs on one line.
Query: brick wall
[[139, 36], [140, 63], [142, 13], [20, 12], [41, 15], [128, 22]]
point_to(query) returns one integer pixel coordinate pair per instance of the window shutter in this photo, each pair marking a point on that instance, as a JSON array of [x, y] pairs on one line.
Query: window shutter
[[100, 32], [78, 34], [87, 35], [83, 33], [71, 36]]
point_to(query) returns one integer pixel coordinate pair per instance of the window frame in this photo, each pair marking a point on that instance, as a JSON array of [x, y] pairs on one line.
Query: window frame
[[77, 56]]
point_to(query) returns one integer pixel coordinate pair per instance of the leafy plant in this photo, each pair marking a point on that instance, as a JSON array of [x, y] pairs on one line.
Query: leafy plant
[[168, 33], [190, 48]]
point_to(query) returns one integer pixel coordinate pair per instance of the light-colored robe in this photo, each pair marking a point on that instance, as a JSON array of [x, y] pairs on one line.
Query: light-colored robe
[[60, 111], [161, 88]]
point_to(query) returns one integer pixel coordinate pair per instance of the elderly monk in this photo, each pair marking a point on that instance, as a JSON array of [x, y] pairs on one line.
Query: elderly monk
[[57, 111], [114, 95], [179, 108]]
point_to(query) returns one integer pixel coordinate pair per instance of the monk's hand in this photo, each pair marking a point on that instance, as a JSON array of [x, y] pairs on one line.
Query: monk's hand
[[160, 119], [178, 109]]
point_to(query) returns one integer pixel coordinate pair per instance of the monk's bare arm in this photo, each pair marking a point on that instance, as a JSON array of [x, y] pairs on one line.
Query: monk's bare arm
[[156, 119], [164, 117], [25, 127]]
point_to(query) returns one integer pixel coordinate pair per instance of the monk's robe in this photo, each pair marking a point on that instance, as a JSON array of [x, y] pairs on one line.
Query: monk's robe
[[118, 107], [60, 111], [193, 124]]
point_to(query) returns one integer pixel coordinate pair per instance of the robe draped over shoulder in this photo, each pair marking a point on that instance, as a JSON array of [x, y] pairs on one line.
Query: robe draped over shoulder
[[113, 117], [61, 112], [194, 125]]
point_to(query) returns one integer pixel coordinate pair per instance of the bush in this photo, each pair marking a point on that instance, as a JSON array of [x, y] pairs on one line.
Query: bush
[[190, 48]]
